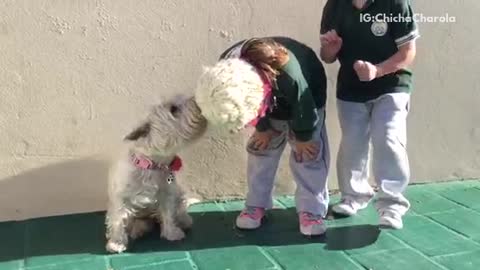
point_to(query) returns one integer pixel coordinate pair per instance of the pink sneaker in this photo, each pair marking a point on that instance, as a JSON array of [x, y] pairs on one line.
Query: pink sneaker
[[250, 218], [311, 225]]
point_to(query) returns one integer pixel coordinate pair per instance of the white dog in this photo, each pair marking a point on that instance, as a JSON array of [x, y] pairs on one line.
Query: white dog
[[142, 184]]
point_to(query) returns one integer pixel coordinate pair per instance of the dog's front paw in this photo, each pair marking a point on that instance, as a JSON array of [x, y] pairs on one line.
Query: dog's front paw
[[114, 247], [173, 234]]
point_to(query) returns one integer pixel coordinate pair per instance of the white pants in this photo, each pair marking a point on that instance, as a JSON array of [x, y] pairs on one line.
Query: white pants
[[383, 122], [310, 176]]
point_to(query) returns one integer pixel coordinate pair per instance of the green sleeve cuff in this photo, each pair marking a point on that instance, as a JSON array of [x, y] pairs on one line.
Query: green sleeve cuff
[[404, 31], [263, 124], [303, 136]]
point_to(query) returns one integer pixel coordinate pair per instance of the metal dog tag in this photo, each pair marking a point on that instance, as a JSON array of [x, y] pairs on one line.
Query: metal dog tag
[[170, 178]]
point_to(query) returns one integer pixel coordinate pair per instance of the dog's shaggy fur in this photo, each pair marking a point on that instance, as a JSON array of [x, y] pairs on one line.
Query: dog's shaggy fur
[[139, 197], [230, 94]]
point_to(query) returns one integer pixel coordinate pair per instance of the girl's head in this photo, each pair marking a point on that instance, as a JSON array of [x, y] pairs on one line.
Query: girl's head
[[265, 54]]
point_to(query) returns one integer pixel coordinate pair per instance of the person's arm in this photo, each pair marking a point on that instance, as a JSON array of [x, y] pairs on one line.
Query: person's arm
[[400, 60], [328, 34], [405, 34], [327, 54], [304, 116], [263, 124], [327, 58]]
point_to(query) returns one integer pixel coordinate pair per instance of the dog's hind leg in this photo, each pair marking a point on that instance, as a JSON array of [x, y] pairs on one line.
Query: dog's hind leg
[[140, 227], [118, 221]]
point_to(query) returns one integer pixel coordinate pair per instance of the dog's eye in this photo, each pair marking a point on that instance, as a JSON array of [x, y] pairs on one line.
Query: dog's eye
[[174, 110]]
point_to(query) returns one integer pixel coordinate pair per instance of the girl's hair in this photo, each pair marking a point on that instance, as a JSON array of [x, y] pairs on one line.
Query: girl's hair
[[265, 54]]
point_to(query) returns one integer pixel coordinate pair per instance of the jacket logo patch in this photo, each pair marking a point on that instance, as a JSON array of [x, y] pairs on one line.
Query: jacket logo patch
[[379, 28]]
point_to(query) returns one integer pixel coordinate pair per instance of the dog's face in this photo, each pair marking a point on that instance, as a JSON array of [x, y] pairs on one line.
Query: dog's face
[[170, 127]]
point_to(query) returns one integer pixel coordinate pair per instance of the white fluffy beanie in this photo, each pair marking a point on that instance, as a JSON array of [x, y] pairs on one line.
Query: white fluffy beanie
[[230, 94]]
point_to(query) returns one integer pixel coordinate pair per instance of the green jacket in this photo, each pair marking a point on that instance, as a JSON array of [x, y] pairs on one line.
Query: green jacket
[[299, 91]]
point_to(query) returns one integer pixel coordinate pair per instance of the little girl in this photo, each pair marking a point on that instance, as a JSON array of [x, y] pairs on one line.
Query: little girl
[[295, 114]]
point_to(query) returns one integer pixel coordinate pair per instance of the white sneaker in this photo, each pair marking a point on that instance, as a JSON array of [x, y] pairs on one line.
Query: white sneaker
[[311, 225], [348, 207], [390, 220], [250, 218]]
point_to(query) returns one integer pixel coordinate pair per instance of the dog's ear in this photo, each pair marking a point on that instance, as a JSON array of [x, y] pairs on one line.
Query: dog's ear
[[140, 132]]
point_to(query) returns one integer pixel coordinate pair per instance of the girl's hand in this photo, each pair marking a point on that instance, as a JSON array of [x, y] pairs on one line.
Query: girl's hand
[[331, 42], [261, 140], [309, 150], [366, 71]]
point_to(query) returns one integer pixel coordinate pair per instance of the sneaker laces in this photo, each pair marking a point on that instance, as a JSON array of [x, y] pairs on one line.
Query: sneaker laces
[[347, 201], [390, 214], [309, 219], [252, 212], [352, 204]]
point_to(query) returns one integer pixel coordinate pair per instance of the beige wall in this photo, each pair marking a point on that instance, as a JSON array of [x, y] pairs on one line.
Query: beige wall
[[76, 74]]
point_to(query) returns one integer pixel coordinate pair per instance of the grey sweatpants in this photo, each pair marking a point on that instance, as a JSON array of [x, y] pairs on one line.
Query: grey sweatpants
[[383, 122], [310, 176]]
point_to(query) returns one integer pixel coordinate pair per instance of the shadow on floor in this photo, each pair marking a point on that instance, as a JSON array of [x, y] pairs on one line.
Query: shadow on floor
[[73, 186], [351, 237], [84, 234]]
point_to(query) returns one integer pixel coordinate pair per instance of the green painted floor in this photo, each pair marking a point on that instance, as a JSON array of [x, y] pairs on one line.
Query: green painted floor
[[441, 232]]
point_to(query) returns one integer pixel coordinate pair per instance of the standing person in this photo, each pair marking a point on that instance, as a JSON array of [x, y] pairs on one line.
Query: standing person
[[373, 100], [295, 114]]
